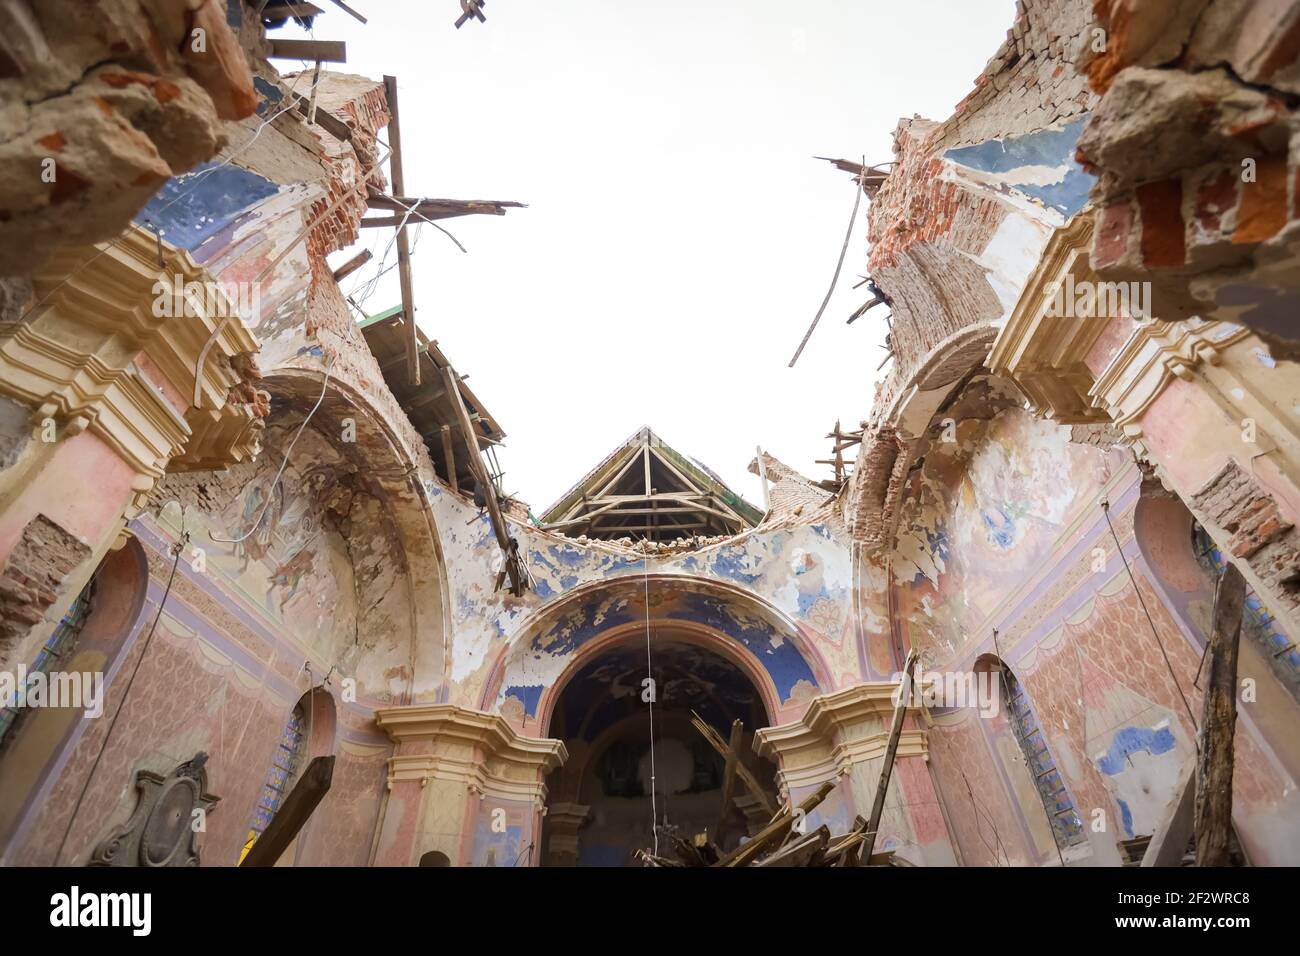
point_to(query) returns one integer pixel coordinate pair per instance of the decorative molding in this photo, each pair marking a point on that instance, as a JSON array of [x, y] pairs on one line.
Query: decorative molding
[[479, 750], [1044, 354], [160, 832], [75, 358], [1155, 353], [837, 732]]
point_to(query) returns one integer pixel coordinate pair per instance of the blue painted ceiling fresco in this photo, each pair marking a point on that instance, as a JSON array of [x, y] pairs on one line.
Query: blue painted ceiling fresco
[[1050, 150], [688, 678], [610, 608], [191, 208]]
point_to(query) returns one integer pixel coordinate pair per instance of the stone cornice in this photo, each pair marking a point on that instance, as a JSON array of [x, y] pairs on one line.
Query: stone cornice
[[1044, 354], [480, 750], [1154, 353], [90, 353], [836, 732]]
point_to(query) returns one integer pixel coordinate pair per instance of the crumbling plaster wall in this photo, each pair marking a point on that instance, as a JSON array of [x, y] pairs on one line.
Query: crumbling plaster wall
[[101, 103], [1003, 549], [343, 572], [1196, 143], [798, 567], [957, 228]]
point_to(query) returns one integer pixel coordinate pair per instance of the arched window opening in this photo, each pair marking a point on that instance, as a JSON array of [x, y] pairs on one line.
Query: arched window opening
[[1067, 825], [58, 647], [285, 764], [1258, 625]]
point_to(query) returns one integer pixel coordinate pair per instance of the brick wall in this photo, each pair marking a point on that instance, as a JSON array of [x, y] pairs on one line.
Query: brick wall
[[1261, 535], [32, 578]]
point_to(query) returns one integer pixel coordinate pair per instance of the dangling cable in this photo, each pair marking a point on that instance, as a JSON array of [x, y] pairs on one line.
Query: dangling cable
[[654, 810], [271, 492], [1105, 510], [177, 549]]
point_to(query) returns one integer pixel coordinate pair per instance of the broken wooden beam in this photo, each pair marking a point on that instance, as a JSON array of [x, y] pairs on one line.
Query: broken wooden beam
[[801, 852], [510, 551], [1172, 834], [303, 799], [887, 768], [1213, 811], [403, 246], [324, 119], [323, 51], [777, 830], [281, 9], [729, 770], [471, 9], [352, 265], [441, 208], [751, 782], [348, 10]]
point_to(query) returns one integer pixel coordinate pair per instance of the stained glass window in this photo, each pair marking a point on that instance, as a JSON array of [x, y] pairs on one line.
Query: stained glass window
[[284, 767], [1067, 826]]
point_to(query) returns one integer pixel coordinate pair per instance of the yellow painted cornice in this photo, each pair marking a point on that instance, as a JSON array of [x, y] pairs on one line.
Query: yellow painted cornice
[[477, 749], [837, 732], [1153, 354], [1044, 354], [79, 358]]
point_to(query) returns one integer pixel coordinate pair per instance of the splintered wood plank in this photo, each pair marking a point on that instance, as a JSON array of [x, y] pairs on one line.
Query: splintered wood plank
[[751, 782], [1213, 817], [303, 799], [729, 769], [800, 852]]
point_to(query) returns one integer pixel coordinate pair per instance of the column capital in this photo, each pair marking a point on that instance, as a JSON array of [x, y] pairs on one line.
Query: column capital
[[477, 749], [837, 732]]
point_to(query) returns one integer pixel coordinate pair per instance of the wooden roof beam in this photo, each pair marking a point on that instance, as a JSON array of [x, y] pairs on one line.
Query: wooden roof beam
[[403, 246]]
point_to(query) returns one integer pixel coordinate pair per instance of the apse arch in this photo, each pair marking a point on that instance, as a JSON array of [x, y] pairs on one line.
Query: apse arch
[[532, 670], [388, 472]]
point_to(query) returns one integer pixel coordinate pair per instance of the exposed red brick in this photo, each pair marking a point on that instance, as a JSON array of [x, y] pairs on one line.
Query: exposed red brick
[[34, 571], [221, 67], [1216, 196], [1111, 240], [164, 91], [1263, 202], [1164, 242]]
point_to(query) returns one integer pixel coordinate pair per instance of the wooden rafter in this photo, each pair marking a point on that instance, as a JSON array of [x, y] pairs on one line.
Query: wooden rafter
[[647, 490], [403, 244]]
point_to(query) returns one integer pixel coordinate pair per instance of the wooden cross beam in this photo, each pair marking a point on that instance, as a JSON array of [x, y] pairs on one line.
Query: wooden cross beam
[[1213, 816], [471, 9], [509, 549], [403, 246], [303, 799], [727, 751]]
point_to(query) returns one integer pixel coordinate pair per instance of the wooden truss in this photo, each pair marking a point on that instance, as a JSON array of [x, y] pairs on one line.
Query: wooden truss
[[646, 490]]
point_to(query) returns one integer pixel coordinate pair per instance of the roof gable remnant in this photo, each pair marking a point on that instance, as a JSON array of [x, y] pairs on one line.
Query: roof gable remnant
[[646, 490]]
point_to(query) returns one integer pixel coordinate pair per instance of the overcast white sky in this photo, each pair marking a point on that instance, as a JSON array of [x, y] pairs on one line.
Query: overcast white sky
[[679, 236]]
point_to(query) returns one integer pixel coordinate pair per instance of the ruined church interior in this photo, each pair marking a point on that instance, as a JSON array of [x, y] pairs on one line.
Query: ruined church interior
[[272, 596]]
